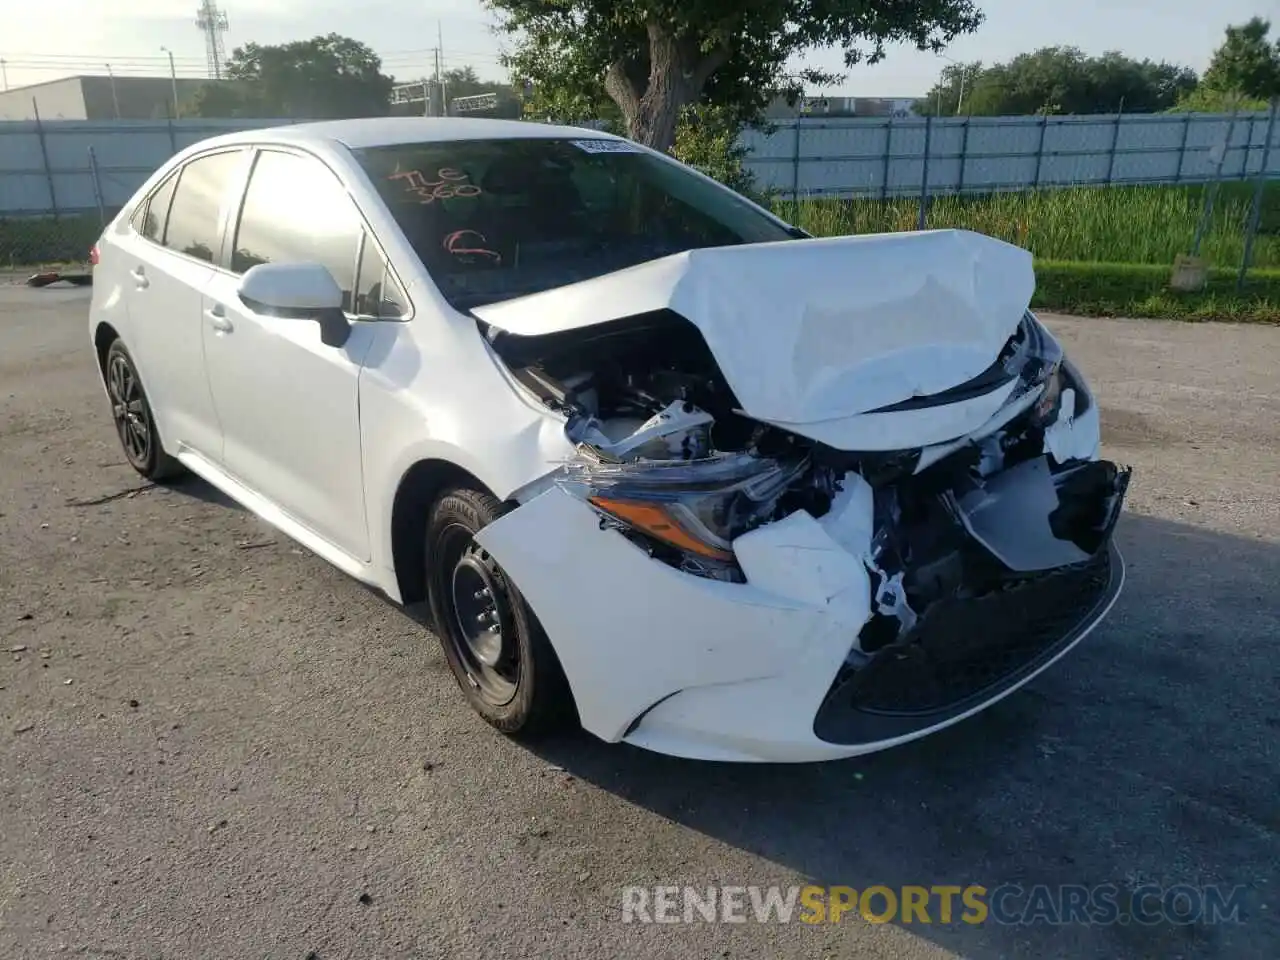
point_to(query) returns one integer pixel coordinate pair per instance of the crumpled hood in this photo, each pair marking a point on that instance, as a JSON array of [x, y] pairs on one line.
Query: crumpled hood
[[807, 331]]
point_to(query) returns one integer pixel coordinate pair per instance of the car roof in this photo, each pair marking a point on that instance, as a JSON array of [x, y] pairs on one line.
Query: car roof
[[388, 131]]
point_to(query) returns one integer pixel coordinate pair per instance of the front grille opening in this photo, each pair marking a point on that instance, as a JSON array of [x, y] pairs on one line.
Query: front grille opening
[[963, 651]]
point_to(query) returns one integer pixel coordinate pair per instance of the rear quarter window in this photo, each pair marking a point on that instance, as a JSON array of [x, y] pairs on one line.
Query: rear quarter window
[[152, 215], [193, 222]]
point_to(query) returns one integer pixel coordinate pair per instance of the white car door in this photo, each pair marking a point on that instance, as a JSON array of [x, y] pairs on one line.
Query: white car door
[[289, 404], [169, 253]]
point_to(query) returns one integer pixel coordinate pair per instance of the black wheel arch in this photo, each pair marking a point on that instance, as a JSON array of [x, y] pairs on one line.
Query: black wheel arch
[[103, 336], [420, 487]]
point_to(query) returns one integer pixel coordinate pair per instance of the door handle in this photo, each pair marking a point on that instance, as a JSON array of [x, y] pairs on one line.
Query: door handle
[[218, 319], [140, 278]]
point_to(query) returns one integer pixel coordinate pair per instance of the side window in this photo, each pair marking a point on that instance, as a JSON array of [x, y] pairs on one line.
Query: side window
[[377, 293], [153, 214], [192, 226], [295, 210]]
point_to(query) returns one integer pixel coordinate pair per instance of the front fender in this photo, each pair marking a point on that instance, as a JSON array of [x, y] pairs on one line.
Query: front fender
[[434, 391]]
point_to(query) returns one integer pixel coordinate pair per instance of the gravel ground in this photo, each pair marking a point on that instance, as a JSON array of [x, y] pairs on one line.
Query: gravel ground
[[214, 745]]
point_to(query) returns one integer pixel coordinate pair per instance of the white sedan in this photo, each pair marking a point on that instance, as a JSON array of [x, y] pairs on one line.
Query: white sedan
[[654, 460]]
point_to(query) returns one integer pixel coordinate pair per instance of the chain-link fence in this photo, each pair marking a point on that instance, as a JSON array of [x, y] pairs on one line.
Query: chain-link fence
[[62, 181], [1137, 190]]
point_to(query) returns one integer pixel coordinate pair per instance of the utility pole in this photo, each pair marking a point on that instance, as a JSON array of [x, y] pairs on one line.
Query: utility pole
[[115, 101], [438, 91], [173, 81], [4, 73], [444, 94]]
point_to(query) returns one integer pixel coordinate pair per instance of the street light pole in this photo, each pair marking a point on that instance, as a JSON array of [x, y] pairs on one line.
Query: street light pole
[[960, 66], [173, 81]]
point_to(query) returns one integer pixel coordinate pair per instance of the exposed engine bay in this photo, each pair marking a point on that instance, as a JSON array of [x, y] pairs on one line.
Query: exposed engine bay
[[668, 459]]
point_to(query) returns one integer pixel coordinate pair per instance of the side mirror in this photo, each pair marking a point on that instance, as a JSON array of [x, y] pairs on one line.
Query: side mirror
[[302, 291]]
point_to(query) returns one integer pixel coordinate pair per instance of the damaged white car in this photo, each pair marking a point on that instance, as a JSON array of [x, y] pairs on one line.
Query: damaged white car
[[649, 456]]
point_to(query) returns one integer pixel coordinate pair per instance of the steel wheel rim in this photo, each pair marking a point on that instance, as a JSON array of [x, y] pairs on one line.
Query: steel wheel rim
[[129, 410], [490, 657]]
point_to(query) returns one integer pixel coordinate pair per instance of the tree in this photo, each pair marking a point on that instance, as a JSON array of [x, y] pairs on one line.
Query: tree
[[556, 104], [653, 58], [1247, 63], [328, 77], [1206, 99], [465, 82], [220, 99], [707, 139], [953, 92], [1056, 80], [1243, 74]]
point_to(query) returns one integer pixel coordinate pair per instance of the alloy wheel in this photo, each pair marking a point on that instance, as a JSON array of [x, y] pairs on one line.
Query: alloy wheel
[[129, 410]]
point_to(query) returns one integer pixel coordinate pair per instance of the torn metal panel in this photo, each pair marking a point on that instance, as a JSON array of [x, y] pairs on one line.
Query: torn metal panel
[[828, 550], [811, 331]]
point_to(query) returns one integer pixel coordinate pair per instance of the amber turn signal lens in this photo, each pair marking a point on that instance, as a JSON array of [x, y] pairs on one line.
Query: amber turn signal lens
[[658, 523]]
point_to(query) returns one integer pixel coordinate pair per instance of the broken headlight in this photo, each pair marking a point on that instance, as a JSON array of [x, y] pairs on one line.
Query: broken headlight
[[675, 524], [696, 507], [1039, 360], [1046, 407]]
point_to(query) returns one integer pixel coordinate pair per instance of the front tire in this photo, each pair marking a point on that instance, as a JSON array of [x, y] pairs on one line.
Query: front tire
[[135, 423], [493, 642]]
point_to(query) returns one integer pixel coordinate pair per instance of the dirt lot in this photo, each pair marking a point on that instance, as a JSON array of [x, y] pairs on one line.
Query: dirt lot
[[216, 746]]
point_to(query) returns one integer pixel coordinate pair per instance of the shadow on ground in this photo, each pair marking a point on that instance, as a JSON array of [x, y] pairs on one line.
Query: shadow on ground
[[1147, 755], [199, 489]]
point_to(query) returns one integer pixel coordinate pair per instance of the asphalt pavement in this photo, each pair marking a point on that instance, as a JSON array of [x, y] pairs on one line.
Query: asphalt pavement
[[213, 745]]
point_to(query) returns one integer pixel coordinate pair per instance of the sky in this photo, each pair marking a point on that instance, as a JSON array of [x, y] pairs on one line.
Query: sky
[[131, 36]]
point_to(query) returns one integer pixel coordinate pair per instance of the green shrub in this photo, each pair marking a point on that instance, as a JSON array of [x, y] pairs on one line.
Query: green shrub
[[707, 140], [29, 241], [1142, 290]]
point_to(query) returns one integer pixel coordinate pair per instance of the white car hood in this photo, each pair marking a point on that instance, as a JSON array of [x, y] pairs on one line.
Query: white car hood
[[808, 331]]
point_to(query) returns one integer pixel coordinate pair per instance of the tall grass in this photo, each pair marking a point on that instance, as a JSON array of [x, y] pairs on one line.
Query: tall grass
[[1099, 224]]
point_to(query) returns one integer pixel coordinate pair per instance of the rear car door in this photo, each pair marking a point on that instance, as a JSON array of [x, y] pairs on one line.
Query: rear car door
[[288, 403], [168, 253]]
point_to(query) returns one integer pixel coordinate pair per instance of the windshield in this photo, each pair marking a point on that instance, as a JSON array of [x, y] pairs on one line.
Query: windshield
[[495, 219]]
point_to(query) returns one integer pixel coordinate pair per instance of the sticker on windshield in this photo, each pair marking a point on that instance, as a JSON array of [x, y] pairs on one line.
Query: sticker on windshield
[[605, 146]]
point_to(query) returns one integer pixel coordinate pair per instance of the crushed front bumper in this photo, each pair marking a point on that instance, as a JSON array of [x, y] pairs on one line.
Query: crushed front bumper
[[964, 654], [758, 671]]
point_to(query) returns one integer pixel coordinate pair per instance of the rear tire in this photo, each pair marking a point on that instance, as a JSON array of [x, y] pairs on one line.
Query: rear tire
[[135, 423], [495, 646]]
